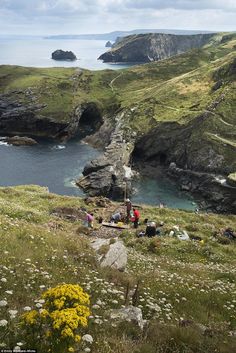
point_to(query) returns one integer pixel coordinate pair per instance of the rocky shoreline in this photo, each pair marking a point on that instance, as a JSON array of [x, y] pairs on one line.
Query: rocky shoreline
[[111, 174]]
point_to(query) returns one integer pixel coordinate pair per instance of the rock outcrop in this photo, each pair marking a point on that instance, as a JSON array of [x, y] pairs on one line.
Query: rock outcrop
[[18, 118], [108, 44], [109, 175], [218, 194], [27, 118], [63, 55], [129, 314], [21, 141], [144, 48], [112, 255]]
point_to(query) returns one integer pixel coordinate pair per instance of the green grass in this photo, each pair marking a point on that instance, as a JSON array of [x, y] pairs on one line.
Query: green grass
[[179, 280]]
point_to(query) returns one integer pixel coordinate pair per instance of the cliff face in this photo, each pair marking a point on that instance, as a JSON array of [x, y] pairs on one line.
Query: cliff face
[[153, 47]]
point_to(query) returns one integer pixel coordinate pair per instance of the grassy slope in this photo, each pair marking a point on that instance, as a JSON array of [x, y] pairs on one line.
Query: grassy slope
[[186, 280]]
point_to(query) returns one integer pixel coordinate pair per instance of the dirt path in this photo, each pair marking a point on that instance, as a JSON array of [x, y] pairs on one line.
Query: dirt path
[[114, 79]]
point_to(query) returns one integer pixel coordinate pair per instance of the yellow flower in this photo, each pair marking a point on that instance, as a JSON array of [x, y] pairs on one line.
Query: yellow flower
[[67, 332], [59, 303], [44, 313], [71, 349], [77, 338], [30, 317]]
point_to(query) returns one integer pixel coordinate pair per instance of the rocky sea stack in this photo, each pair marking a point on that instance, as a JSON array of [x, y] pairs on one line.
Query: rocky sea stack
[[63, 55], [108, 44]]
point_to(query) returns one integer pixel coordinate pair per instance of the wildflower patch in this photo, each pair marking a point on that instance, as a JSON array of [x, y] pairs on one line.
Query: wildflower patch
[[60, 321]]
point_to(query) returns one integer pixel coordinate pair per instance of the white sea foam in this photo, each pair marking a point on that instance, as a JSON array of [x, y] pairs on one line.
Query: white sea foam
[[59, 147]]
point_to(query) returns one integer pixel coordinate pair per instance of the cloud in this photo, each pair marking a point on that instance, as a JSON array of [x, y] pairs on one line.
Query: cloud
[[81, 16], [62, 8], [182, 4]]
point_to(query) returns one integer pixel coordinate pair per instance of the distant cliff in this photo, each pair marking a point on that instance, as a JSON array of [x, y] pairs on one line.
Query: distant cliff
[[153, 47]]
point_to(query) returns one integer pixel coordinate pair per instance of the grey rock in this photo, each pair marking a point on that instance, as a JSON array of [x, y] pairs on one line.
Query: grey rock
[[116, 256], [21, 141], [63, 55], [130, 314], [107, 175]]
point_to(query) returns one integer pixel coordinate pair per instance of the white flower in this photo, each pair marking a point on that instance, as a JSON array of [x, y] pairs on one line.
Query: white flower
[[87, 349], [99, 302], [9, 292], [98, 321], [95, 306], [4, 280], [27, 308], [42, 286], [87, 338], [38, 305], [3, 303], [13, 313], [17, 349], [3, 323], [41, 301], [19, 344]]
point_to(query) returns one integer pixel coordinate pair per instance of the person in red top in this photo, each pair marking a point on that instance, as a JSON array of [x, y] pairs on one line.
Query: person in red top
[[136, 217]]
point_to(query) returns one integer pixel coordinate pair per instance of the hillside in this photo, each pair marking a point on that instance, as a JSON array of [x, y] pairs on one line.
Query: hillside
[[161, 110], [184, 289], [150, 47]]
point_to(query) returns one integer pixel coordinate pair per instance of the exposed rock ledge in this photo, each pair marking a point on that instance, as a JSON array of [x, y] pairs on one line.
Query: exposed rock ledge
[[26, 119], [20, 141], [215, 189], [110, 174]]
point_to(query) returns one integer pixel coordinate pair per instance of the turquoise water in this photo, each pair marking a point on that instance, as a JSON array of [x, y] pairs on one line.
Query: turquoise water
[[58, 166], [161, 191]]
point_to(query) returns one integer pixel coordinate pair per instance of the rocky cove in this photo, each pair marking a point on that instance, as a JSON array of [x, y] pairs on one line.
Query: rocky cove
[[174, 118], [126, 156]]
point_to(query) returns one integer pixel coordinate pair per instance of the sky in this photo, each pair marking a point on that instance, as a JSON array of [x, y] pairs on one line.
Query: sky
[[42, 17]]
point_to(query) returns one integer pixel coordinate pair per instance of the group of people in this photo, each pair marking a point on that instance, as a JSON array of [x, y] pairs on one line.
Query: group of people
[[132, 214]]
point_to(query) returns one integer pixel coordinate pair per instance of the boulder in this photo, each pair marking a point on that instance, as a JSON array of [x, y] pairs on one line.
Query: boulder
[[130, 314], [115, 255], [21, 141], [63, 55]]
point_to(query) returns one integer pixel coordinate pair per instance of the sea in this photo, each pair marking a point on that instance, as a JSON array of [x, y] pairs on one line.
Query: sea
[[37, 52], [57, 166]]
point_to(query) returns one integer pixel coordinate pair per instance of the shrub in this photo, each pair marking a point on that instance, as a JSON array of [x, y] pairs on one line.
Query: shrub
[[56, 327]]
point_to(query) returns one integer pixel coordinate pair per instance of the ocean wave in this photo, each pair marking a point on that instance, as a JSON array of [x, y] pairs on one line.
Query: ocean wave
[[59, 147]]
